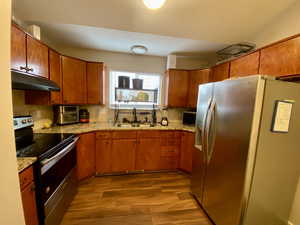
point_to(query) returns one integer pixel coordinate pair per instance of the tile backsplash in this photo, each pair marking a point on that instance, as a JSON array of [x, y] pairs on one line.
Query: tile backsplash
[[44, 114]]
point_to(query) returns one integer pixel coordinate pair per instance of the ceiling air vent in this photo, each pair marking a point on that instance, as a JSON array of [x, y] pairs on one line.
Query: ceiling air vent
[[235, 50]]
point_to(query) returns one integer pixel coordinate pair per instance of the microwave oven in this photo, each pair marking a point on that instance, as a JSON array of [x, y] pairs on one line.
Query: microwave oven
[[189, 118], [66, 114]]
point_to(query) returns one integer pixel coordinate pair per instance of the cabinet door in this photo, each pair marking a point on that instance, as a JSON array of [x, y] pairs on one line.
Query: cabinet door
[[245, 66], [95, 83], [86, 156], [186, 154], [29, 205], [37, 58], [18, 49], [197, 77], [177, 82], [281, 59], [103, 156], [56, 76], [74, 81], [220, 72], [123, 155], [148, 154]]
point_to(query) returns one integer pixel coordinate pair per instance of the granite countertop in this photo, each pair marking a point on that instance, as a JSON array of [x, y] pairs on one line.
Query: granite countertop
[[24, 162], [90, 127]]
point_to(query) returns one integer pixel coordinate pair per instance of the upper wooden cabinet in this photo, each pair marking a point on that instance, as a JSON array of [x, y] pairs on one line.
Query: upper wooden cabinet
[[245, 66], [28, 54], [220, 72], [37, 58], [281, 59], [74, 81], [95, 83], [177, 84], [44, 97], [197, 77], [18, 49]]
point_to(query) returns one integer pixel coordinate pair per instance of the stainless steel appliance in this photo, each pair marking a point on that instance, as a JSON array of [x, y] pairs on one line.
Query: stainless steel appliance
[[64, 115], [189, 117], [246, 167], [55, 169]]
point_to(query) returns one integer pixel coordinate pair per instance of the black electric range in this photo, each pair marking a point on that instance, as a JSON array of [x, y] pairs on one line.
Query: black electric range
[[54, 171]]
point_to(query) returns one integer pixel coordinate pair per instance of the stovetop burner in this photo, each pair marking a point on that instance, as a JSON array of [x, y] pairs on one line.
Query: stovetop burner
[[41, 144]]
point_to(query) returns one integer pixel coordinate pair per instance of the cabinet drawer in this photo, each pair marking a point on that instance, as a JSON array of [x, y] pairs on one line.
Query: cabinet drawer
[[26, 177], [149, 134], [170, 134], [168, 163], [169, 151], [124, 134], [103, 135], [170, 142]]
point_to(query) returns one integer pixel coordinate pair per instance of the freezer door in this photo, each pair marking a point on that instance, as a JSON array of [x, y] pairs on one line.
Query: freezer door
[[229, 128], [199, 161]]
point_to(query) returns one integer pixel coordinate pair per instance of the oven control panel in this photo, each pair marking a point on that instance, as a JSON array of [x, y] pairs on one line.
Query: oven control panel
[[22, 122]]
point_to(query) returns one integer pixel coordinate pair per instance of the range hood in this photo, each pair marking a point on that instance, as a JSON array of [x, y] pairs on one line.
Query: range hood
[[23, 81]]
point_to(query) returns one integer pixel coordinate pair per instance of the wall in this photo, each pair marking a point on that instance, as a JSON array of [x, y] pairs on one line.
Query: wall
[[11, 212], [285, 25]]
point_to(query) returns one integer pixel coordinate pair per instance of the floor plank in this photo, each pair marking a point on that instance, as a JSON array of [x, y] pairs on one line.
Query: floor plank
[[140, 199]]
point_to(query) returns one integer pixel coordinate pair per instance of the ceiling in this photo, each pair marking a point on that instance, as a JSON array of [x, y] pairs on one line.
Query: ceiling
[[187, 27]]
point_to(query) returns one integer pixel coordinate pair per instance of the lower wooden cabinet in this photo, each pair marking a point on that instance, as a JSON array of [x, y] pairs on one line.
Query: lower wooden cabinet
[[148, 154], [28, 197], [103, 156], [86, 156], [123, 155], [186, 153]]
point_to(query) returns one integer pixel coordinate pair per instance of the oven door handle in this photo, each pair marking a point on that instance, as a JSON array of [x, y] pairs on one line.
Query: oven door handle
[[61, 154]]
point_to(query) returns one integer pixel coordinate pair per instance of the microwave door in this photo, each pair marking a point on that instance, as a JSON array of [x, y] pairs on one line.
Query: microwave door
[[199, 154]]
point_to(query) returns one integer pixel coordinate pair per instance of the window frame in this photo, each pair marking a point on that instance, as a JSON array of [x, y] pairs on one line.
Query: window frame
[[111, 89]]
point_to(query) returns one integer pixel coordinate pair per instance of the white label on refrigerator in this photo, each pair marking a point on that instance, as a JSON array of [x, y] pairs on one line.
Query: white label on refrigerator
[[282, 117]]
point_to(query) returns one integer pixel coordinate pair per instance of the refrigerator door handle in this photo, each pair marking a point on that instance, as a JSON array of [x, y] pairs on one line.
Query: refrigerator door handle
[[211, 133], [201, 131]]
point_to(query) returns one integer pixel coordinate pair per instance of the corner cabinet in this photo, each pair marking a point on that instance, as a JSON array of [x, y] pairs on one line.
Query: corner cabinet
[[74, 81], [176, 86], [196, 78]]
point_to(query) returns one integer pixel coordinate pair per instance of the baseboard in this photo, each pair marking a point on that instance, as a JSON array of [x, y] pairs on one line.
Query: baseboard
[[290, 223]]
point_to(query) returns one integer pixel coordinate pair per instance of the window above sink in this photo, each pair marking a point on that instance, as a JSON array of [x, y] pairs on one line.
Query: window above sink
[[127, 97]]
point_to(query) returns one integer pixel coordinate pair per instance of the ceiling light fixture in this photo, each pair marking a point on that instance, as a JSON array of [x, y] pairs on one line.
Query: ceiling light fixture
[[154, 4], [139, 49]]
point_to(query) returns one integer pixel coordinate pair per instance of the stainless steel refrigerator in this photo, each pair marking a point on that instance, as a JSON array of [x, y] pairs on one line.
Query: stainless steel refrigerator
[[247, 163]]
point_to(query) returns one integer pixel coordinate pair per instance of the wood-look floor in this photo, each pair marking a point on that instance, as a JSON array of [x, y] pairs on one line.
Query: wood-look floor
[[142, 199]]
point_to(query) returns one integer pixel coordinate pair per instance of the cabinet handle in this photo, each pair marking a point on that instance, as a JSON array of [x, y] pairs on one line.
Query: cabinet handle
[[23, 68]]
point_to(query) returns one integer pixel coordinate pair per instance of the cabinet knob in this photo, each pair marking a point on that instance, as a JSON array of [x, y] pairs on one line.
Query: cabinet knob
[[23, 68], [32, 188], [30, 69]]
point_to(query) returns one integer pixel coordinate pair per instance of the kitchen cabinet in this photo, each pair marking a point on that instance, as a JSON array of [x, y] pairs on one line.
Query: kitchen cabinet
[[220, 72], [245, 66], [28, 196], [177, 84], [28, 54], [281, 59], [95, 83], [103, 153], [186, 153], [44, 97], [170, 143], [148, 154], [37, 57], [18, 49], [86, 156], [74, 81], [123, 155], [196, 77]]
